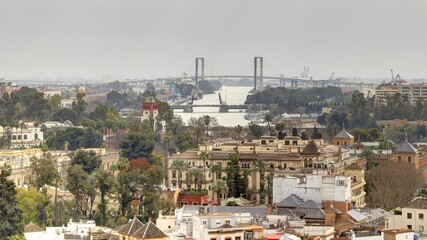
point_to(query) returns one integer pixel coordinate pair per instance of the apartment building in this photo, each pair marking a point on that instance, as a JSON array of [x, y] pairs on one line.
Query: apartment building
[[414, 91], [413, 216]]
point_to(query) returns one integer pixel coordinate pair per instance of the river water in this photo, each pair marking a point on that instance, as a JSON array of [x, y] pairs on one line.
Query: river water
[[232, 95]]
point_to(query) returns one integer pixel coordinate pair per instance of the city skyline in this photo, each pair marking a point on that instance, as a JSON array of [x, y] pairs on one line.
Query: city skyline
[[134, 38]]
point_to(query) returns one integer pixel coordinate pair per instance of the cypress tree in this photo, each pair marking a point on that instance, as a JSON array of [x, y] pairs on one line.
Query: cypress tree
[[235, 181], [11, 215]]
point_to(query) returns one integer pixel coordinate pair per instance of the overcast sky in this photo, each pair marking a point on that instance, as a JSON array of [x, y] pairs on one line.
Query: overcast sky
[[155, 38]]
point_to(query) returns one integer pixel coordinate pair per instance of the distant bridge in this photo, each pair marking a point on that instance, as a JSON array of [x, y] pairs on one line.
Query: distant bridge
[[242, 107], [283, 81]]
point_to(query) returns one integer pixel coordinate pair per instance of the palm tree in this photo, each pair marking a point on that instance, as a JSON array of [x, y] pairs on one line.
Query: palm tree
[[220, 187], [215, 170], [238, 130], [196, 175], [246, 173], [268, 118], [22, 125], [207, 120], [179, 165], [204, 156]]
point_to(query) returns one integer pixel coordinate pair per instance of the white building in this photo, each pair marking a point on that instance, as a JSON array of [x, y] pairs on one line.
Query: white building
[[225, 226], [412, 217], [81, 228], [26, 135], [316, 187], [67, 103], [324, 232]]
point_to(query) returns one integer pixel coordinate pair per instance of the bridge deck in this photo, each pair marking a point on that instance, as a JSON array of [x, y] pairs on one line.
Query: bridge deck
[[211, 105]]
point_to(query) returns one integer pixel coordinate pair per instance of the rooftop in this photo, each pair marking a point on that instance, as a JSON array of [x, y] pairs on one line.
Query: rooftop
[[344, 135], [406, 147]]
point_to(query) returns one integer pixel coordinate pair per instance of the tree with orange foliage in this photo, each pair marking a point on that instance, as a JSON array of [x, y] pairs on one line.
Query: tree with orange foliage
[[139, 163]]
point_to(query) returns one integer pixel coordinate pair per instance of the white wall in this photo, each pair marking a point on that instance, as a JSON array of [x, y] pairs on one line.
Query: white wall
[[402, 221], [316, 187]]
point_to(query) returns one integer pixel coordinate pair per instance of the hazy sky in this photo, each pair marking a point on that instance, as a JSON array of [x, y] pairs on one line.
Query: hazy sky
[[154, 38]]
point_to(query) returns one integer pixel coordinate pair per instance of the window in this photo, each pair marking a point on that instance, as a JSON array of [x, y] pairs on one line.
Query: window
[[399, 158], [409, 227], [420, 215], [341, 183], [409, 159], [409, 216], [227, 222], [204, 223], [237, 238], [248, 236]]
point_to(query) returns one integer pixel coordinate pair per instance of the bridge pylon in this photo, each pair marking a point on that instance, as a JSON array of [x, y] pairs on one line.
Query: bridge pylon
[[257, 76], [202, 63]]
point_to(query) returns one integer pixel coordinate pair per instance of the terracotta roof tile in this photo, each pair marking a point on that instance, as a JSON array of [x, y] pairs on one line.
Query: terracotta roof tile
[[131, 227], [149, 230]]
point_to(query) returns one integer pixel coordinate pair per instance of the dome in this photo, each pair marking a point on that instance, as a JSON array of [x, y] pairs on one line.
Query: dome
[[81, 90]]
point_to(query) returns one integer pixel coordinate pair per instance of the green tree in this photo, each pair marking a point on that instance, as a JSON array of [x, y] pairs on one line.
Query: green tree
[[359, 110], [216, 171], [179, 165], [44, 172], [239, 130], [65, 114], [316, 134], [79, 106], [105, 184], [261, 168], [280, 127], [295, 132], [203, 156], [88, 160], [11, 215], [82, 186], [256, 130], [197, 176], [55, 102], [35, 206], [235, 180], [268, 118], [220, 188], [137, 145], [76, 138], [207, 120]]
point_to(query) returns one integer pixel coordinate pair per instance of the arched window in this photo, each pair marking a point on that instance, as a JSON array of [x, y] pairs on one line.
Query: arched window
[[409, 159], [25, 137], [36, 136], [399, 158], [19, 137], [14, 137]]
